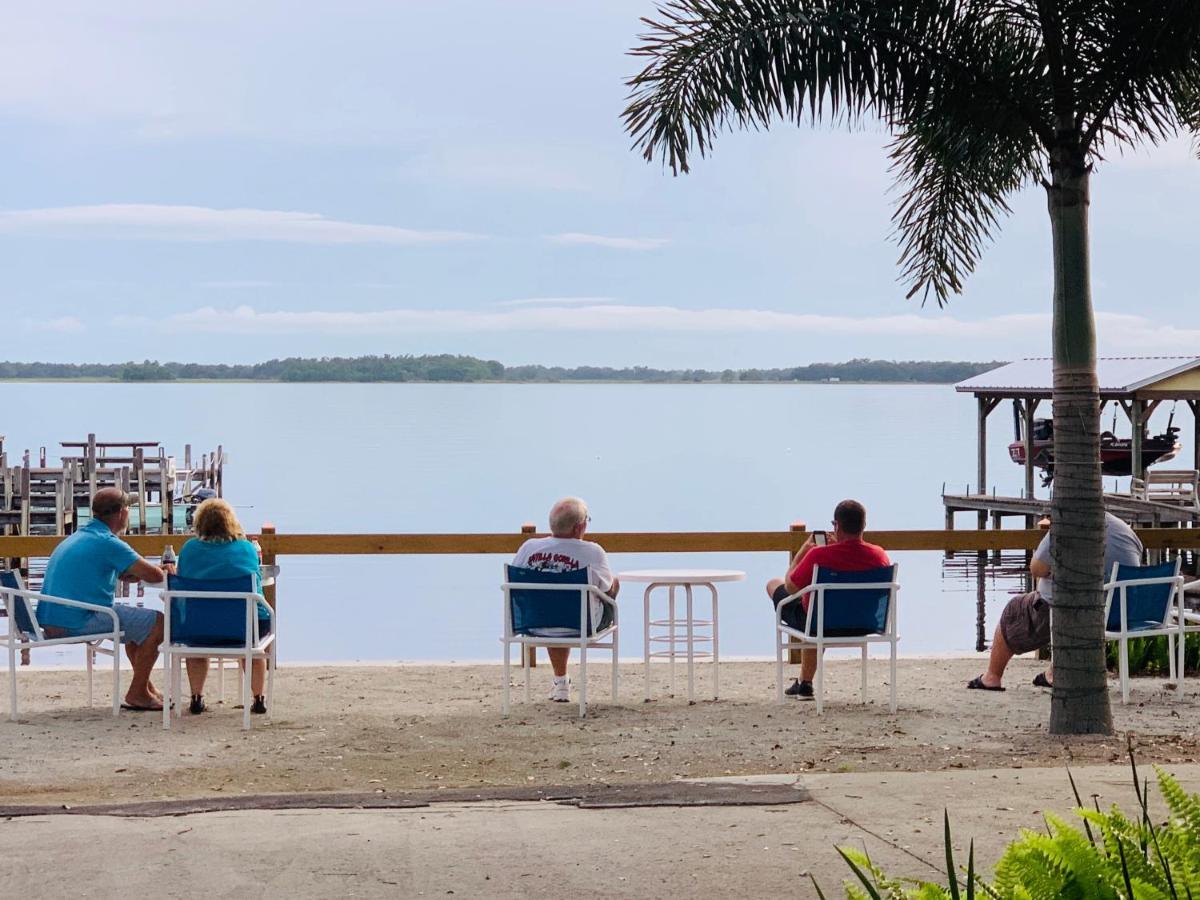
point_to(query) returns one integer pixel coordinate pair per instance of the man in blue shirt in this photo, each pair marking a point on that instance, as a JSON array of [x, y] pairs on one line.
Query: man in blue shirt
[[85, 567]]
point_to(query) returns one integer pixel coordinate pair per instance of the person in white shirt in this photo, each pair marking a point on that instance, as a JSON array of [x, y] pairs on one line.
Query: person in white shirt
[[566, 551]]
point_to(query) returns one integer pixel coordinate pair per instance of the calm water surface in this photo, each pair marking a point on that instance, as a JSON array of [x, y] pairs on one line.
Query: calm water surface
[[485, 458]]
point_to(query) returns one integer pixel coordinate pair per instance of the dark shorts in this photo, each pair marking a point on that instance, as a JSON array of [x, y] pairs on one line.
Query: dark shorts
[[1025, 623], [794, 616]]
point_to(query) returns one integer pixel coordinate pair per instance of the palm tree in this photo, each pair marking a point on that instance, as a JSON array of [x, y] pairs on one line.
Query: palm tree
[[983, 98]]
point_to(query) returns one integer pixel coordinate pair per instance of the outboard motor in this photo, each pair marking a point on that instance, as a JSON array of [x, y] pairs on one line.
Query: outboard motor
[[194, 499]]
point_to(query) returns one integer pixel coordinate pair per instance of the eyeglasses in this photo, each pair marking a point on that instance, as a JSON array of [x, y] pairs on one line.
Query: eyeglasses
[[588, 519]]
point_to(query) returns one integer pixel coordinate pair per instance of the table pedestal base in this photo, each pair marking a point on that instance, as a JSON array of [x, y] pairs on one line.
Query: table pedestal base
[[679, 636]]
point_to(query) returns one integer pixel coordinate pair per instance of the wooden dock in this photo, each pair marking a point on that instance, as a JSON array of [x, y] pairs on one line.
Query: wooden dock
[[40, 497], [1137, 512]]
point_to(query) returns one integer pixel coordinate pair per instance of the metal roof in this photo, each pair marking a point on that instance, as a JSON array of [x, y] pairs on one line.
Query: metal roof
[[1117, 375]]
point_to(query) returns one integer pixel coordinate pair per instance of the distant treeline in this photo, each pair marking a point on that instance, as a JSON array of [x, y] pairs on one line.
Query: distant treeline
[[468, 368]]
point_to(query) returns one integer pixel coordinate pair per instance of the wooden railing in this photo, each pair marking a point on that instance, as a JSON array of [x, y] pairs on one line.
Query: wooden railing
[[275, 544]]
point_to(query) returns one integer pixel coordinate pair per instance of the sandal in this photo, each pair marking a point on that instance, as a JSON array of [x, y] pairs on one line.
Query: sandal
[[1040, 680], [197, 705], [976, 684]]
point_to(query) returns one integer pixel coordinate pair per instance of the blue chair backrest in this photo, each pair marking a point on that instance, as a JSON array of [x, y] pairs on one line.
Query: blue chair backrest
[[21, 618], [1146, 604], [545, 609], [853, 613], [210, 622]]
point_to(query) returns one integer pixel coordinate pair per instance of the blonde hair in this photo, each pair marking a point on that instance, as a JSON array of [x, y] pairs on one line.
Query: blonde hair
[[215, 520]]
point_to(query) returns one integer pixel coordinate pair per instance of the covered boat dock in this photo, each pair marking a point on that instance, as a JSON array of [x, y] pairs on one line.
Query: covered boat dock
[[1137, 385]]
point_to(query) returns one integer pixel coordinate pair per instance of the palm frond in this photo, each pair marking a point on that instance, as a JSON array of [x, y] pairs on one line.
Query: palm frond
[[714, 64], [1139, 70], [954, 176]]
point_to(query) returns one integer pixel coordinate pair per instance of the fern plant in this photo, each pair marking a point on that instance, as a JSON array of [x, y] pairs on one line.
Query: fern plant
[[1113, 856], [1148, 656]]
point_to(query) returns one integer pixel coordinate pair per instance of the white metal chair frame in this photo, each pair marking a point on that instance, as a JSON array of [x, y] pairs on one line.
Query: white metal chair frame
[[256, 647], [268, 575], [789, 638], [19, 641], [583, 641], [1174, 624]]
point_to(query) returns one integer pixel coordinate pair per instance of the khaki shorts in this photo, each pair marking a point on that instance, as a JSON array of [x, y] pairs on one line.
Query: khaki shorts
[[1025, 623]]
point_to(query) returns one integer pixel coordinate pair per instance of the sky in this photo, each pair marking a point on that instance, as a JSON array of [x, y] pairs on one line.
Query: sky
[[232, 182]]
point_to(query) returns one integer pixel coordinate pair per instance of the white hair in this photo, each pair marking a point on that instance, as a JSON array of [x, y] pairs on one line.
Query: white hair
[[566, 515]]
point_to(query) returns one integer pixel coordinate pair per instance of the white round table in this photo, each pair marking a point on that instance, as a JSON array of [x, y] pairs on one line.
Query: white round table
[[676, 643]]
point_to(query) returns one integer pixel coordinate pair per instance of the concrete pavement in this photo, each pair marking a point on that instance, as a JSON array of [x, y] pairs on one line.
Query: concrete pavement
[[514, 848]]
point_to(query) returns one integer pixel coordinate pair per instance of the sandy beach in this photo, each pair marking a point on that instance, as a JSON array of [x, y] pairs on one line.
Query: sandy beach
[[386, 729]]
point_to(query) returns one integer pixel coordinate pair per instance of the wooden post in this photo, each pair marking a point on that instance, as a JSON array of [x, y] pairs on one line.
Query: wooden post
[[166, 490], [139, 472], [981, 462], [1137, 419], [949, 554], [986, 405], [268, 559], [794, 656], [1194, 406], [26, 500], [1030, 408], [980, 610], [90, 462], [60, 508], [528, 530]]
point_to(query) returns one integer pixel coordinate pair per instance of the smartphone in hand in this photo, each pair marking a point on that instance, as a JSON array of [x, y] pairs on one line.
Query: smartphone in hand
[[820, 538]]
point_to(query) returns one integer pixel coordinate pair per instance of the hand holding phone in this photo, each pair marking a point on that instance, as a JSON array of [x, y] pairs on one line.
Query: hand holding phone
[[820, 538]]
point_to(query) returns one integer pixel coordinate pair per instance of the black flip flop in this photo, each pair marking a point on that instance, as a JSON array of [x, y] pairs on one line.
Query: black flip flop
[[976, 684], [131, 708], [1040, 680]]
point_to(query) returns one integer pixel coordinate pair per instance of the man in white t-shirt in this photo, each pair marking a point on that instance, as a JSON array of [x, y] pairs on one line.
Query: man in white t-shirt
[[567, 551]]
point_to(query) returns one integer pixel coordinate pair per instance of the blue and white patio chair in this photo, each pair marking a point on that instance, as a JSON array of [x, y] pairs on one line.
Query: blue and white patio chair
[[210, 619], [25, 633], [845, 609], [537, 601], [1145, 601]]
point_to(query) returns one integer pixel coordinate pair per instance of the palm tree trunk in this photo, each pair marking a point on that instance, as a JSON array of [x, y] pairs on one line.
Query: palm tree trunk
[[1079, 703]]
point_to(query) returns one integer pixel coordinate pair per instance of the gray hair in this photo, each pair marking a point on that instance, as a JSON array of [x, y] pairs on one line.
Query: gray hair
[[566, 515]]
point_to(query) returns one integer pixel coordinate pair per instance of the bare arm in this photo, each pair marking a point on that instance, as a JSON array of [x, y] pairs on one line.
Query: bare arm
[[144, 571], [800, 554]]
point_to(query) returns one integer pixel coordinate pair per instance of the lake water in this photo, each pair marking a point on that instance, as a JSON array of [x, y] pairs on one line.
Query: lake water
[[485, 458]]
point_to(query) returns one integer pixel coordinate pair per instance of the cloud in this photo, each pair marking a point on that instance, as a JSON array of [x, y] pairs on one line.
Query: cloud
[[57, 325], [592, 314], [236, 285], [996, 337], [612, 243], [559, 301], [146, 221]]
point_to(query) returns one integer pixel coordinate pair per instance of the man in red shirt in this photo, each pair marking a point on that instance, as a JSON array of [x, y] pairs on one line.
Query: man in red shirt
[[846, 551]]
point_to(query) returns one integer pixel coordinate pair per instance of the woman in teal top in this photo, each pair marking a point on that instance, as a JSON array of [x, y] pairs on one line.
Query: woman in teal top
[[220, 550]]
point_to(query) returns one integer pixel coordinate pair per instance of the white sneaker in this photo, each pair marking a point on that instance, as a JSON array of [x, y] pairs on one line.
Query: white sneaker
[[560, 691]]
